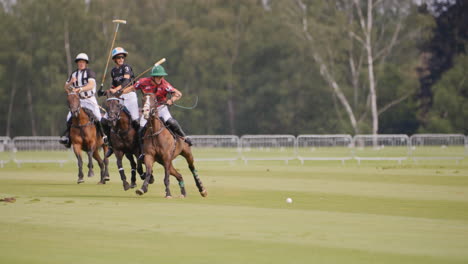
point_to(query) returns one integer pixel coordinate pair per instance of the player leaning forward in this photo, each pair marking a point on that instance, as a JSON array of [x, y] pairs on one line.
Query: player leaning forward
[[166, 94], [83, 82]]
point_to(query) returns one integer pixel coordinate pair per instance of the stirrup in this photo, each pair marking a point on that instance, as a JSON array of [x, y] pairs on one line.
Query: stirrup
[[64, 140]]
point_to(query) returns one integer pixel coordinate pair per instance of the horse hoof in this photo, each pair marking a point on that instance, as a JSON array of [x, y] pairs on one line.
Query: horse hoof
[[107, 178], [204, 193], [151, 180], [168, 197], [101, 182], [143, 176], [182, 196], [139, 192], [133, 185], [126, 186], [80, 181]]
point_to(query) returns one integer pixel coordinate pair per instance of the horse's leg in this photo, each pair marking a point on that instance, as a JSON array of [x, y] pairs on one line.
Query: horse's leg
[[119, 155], [101, 164], [167, 165], [77, 151], [149, 160], [140, 169], [187, 154], [90, 163], [133, 166], [180, 179], [106, 163]]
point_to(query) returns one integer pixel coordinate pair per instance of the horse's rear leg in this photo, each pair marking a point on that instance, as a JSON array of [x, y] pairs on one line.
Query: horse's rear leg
[[187, 154], [149, 160], [90, 163], [77, 151], [102, 167], [133, 165], [106, 163], [180, 179]]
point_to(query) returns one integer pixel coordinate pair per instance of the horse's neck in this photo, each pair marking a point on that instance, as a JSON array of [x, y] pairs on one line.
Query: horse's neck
[[156, 123], [124, 121], [82, 118]]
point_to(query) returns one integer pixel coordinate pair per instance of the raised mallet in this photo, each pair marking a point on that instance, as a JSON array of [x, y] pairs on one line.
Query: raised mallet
[[118, 22]]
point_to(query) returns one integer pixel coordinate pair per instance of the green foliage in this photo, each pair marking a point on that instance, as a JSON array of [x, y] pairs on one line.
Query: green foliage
[[449, 113], [250, 71]]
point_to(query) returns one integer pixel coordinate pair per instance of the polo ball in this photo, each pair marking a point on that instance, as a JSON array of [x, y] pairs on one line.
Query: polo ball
[[288, 200]]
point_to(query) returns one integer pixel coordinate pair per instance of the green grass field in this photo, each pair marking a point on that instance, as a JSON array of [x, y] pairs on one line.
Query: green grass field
[[378, 212]]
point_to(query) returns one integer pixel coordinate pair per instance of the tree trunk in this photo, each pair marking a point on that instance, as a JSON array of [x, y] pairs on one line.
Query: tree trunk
[[12, 100], [370, 62], [31, 112], [67, 47]]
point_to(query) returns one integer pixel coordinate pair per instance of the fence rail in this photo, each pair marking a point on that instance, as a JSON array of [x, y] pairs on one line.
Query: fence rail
[[270, 147]]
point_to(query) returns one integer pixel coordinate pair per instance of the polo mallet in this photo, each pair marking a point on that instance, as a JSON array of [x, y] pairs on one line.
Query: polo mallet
[[159, 62], [118, 21]]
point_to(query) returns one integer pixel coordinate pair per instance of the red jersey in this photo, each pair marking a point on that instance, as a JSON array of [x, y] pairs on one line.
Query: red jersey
[[161, 90]]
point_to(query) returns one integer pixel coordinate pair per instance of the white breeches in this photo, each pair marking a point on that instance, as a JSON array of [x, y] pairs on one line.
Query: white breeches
[[130, 100], [91, 104], [163, 113]]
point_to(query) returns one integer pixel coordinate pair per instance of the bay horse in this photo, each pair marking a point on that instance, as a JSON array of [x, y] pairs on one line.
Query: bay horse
[[160, 145], [84, 136], [124, 139]]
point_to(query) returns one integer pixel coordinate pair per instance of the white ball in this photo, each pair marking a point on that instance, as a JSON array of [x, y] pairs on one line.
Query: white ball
[[288, 200]]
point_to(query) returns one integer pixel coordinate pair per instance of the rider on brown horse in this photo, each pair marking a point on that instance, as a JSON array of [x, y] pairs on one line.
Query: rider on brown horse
[[83, 82], [166, 94]]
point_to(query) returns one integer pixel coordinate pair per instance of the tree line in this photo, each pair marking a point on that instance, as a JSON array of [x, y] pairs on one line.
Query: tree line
[[256, 67]]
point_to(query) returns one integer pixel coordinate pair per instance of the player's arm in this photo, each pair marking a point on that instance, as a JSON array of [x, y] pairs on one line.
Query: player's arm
[[176, 95]]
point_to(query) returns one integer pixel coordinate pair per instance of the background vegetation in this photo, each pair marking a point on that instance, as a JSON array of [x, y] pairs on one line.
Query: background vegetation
[[258, 67]]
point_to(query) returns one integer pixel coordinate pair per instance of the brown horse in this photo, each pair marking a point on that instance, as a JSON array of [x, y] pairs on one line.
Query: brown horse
[[162, 146], [124, 138], [83, 136]]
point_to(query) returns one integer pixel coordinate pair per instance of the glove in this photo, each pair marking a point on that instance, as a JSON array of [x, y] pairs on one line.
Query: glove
[[100, 92]]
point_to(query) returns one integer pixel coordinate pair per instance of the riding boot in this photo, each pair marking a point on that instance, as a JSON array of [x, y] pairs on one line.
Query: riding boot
[[175, 127], [141, 135], [107, 129], [65, 139], [100, 130]]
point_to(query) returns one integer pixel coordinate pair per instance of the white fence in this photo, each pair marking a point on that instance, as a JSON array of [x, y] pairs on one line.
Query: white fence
[[324, 147], [269, 147], [439, 146], [381, 147], [5, 147]]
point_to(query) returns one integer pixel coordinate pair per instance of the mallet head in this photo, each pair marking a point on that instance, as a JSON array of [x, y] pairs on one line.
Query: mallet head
[[119, 21]]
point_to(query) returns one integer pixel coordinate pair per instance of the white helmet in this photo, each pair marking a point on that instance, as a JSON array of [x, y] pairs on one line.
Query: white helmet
[[82, 56]]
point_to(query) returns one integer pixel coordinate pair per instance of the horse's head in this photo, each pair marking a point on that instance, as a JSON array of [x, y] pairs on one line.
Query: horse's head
[[150, 106], [73, 103], [114, 107]]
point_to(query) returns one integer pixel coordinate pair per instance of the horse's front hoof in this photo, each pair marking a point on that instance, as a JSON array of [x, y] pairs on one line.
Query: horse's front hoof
[[204, 193], [182, 196], [80, 181], [101, 182], [126, 186], [151, 180], [91, 174], [139, 192], [143, 176], [168, 197], [107, 178], [133, 185]]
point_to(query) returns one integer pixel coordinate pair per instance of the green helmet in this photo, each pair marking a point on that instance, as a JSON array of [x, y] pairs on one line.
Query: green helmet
[[158, 71]]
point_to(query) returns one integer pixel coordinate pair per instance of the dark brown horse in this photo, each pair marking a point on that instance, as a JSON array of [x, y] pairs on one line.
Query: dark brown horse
[[83, 136], [124, 138], [160, 145]]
